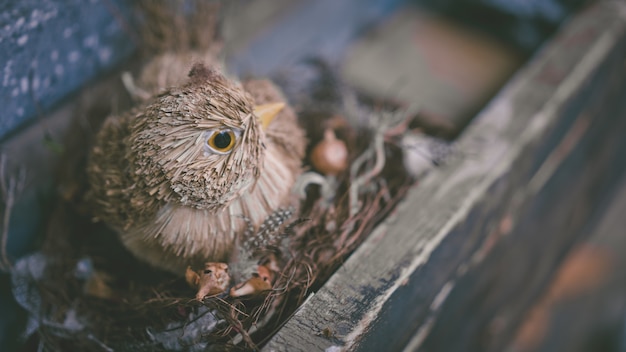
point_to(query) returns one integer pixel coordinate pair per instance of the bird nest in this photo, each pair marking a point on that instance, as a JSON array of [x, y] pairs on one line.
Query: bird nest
[[84, 291]]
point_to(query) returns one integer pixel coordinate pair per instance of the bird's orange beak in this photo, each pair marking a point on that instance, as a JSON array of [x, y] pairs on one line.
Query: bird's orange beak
[[267, 112]]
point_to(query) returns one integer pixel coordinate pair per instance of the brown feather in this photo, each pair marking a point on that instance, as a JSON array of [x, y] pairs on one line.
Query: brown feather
[[173, 203]]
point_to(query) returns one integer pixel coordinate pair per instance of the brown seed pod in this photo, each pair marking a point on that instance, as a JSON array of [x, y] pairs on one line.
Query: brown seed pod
[[212, 280], [254, 286], [330, 156]]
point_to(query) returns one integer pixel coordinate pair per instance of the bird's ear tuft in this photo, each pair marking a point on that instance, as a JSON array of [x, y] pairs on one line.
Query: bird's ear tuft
[[200, 73]]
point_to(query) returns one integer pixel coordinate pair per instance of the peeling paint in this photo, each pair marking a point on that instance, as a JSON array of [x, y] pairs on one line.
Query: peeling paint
[[24, 84], [73, 56], [7, 73], [104, 54], [91, 41], [35, 83], [59, 70], [442, 295], [67, 32], [46, 82], [22, 40]]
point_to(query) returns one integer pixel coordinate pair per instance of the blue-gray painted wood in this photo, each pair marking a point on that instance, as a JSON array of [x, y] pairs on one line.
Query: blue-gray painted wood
[[50, 48]]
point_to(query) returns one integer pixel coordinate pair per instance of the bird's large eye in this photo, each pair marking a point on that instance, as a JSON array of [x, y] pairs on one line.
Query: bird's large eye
[[222, 141]]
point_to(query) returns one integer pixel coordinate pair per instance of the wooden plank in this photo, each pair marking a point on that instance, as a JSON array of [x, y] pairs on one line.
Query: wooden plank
[[584, 305], [320, 29], [446, 70], [409, 267], [245, 21], [575, 177]]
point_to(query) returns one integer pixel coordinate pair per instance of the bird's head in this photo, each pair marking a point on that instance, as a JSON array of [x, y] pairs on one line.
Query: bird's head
[[200, 144]]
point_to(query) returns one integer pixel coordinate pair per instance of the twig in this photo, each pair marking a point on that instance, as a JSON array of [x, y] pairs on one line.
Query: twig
[[99, 343], [387, 121], [135, 91], [9, 189], [365, 178]]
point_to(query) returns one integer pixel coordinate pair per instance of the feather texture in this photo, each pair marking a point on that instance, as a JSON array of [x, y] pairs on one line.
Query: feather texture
[[173, 201]]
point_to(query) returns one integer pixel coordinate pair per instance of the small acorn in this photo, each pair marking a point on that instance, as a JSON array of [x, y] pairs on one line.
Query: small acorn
[[330, 155]]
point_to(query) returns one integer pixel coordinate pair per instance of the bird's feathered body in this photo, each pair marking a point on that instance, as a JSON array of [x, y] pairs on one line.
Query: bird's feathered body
[[175, 199]]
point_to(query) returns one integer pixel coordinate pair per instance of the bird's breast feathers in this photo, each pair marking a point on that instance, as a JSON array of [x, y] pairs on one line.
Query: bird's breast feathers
[[179, 235]]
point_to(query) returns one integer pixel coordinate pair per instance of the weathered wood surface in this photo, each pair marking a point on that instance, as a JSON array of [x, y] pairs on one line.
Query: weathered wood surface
[[448, 71], [313, 29], [583, 308], [468, 250]]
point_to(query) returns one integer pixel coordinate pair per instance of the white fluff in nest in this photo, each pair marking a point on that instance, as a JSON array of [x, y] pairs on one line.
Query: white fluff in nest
[[421, 153]]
